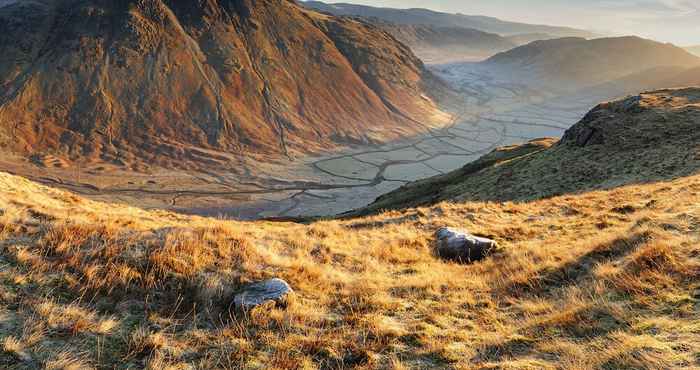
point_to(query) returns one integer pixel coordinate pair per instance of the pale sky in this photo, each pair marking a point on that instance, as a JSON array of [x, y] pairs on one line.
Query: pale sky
[[676, 21]]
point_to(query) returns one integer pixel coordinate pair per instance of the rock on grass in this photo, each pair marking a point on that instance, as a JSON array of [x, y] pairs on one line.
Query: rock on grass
[[256, 294], [461, 246]]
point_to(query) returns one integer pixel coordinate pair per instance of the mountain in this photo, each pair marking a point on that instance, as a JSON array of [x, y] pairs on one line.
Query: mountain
[[640, 139], [694, 49], [168, 82], [526, 38], [580, 62], [443, 44], [651, 79], [602, 279], [429, 17]]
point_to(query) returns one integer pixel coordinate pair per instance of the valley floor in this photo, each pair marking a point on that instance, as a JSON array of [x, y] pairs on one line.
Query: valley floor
[[494, 111]]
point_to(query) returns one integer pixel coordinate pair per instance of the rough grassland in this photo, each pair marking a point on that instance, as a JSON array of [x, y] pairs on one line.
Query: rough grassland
[[604, 279]]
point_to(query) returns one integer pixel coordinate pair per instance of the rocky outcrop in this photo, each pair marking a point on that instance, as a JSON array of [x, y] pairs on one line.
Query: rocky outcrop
[[633, 121], [158, 80]]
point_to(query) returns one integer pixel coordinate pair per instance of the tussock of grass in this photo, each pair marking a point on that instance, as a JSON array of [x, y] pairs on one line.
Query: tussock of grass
[[604, 279]]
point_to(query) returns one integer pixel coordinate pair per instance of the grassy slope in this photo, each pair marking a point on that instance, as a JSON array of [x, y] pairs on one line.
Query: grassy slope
[[600, 279], [607, 278]]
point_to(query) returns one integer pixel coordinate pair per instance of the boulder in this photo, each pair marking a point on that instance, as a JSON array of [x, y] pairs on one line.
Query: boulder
[[256, 294], [461, 246]]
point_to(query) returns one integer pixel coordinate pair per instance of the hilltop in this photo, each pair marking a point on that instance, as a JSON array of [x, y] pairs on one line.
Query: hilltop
[[577, 62], [172, 83], [604, 275]]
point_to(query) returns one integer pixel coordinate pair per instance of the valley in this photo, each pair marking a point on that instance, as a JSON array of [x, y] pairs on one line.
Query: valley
[[490, 111], [347, 111]]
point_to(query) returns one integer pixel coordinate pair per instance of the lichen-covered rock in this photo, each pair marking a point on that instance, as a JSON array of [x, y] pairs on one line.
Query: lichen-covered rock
[[461, 246], [256, 294]]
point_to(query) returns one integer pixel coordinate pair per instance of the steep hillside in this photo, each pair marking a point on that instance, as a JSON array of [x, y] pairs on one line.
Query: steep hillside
[[589, 62], [641, 139], [600, 280], [158, 80], [429, 17], [446, 44]]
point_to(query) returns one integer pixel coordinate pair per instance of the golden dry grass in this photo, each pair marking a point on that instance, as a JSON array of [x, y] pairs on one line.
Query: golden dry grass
[[605, 279]]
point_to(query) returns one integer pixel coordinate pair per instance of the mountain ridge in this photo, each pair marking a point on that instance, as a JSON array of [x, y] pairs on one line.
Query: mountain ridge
[[436, 44], [430, 17]]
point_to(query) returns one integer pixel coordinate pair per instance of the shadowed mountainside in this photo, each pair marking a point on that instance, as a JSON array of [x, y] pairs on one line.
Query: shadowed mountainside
[[650, 137], [584, 62], [156, 81]]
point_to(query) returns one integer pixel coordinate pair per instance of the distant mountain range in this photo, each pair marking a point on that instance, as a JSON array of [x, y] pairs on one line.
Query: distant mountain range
[[576, 62], [435, 44], [526, 38], [442, 37], [430, 17]]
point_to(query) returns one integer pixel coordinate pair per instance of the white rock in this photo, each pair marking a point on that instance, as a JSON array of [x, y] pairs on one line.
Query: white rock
[[252, 295], [461, 246]]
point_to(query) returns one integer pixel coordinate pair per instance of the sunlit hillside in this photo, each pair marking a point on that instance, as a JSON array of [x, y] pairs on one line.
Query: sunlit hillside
[[600, 278]]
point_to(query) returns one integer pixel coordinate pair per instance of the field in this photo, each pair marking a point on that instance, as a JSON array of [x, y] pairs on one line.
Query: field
[[604, 279]]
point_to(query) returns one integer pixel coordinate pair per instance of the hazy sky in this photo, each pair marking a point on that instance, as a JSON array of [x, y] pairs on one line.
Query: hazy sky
[[676, 21]]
